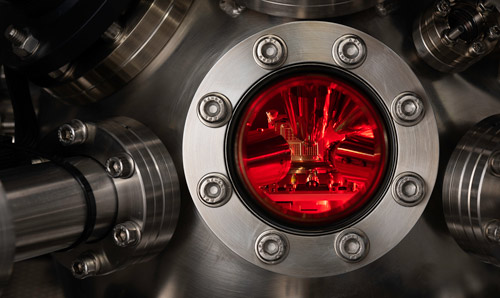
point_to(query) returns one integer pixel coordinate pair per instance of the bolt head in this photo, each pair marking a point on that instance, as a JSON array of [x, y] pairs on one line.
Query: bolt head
[[408, 109], [120, 166], [478, 48], [85, 266], [270, 51], [214, 110], [409, 189], [352, 245], [126, 234], [349, 51], [72, 133], [214, 190], [494, 32], [271, 247], [443, 8], [494, 163]]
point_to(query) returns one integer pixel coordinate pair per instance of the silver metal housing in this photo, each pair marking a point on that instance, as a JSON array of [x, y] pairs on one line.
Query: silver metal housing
[[311, 256], [308, 8], [471, 191]]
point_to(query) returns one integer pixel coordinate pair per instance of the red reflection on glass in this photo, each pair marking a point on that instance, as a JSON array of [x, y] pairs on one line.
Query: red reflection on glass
[[311, 149]]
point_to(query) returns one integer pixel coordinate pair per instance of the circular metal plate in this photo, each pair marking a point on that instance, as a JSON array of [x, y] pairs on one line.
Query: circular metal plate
[[416, 151]]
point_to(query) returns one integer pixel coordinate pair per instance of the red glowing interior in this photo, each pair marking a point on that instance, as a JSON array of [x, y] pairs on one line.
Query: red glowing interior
[[311, 149]]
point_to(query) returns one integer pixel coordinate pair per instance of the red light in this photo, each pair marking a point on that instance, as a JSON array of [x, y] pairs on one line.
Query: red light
[[311, 149]]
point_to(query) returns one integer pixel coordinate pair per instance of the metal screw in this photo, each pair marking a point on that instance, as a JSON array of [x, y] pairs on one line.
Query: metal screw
[[113, 33], [494, 163], [270, 51], [271, 247], [494, 32], [492, 231], [120, 166], [85, 266], [478, 48], [23, 45], [72, 133], [352, 245], [443, 8], [408, 109], [231, 8], [127, 234], [349, 51], [409, 189], [214, 110], [214, 190]]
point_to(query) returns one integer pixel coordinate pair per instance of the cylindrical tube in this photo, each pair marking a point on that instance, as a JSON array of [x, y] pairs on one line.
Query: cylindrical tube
[[48, 205]]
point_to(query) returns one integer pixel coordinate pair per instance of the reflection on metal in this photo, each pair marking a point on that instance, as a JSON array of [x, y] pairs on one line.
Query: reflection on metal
[[7, 241], [75, 203], [146, 32], [309, 8], [453, 35], [471, 191], [310, 253]]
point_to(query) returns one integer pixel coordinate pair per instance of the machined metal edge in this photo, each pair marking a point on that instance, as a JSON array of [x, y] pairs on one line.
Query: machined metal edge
[[308, 9], [471, 190], [386, 225], [141, 43], [149, 198], [7, 240]]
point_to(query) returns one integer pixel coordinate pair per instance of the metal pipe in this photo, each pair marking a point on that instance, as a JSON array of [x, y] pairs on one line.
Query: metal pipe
[[49, 208]]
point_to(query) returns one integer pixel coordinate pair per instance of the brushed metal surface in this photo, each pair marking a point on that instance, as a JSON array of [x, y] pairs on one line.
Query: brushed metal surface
[[311, 42], [426, 263]]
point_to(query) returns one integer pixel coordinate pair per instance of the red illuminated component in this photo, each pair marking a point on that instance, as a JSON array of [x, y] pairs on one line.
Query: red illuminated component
[[311, 149]]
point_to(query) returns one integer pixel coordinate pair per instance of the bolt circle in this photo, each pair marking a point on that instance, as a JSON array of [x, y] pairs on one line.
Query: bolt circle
[[127, 234], [214, 110], [408, 109], [349, 51], [214, 190], [121, 166], [270, 51], [492, 231], [271, 247], [352, 245], [85, 266], [72, 133], [409, 189]]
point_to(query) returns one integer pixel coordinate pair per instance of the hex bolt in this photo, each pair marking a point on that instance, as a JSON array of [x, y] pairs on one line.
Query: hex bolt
[[349, 51], [492, 231], [409, 189], [270, 51], [352, 245], [494, 32], [120, 166], [127, 234], [494, 163], [23, 44], [478, 48], [443, 8], [73, 133], [271, 247], [113, 33], [214, 190], [85, 266], [214, 110], [408, 109]]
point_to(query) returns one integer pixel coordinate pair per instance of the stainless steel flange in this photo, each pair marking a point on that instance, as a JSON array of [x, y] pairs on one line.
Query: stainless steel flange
[[471, 191], [151, 26], [388, 222], [147, 198], [308, 9]]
